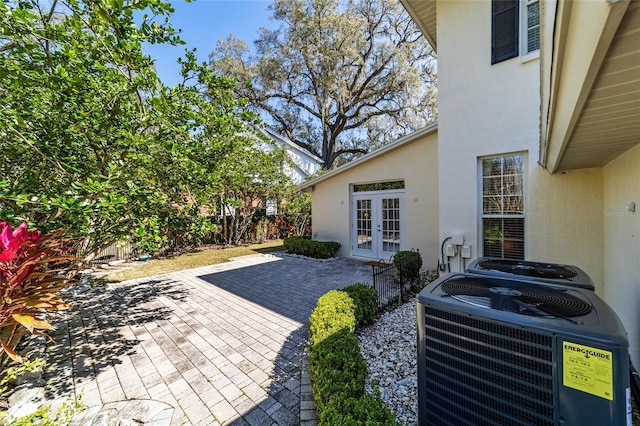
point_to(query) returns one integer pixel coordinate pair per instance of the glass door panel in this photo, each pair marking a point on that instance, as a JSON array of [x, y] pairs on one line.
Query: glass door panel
[[364, 230], [377, 225]]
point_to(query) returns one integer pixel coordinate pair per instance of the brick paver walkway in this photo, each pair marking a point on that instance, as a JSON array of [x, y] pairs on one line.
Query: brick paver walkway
[[221, 344]]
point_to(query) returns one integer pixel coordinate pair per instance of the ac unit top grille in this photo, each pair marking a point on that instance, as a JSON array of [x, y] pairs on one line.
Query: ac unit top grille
[[527, 299], [529, 269]]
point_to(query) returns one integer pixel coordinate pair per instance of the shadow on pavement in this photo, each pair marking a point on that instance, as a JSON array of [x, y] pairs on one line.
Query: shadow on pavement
[[289, 286], [282, 404], [89, 337]]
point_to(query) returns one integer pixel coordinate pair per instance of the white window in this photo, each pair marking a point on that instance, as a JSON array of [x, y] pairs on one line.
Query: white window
[[530, 27], [272, 208], [503, 206]]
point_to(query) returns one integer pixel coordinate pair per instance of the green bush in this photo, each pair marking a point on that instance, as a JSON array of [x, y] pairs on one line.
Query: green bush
[[366, 410], [333, 312], [408, 264], [365, 299], [337, 368], [311, 248]]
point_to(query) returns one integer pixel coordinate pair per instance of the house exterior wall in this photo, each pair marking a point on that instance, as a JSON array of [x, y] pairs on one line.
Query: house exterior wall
[[303, 164], [416, 164], [622, 244], [487, 110]]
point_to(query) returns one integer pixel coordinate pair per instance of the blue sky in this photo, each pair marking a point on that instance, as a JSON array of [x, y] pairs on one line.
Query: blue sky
[[203, 23]]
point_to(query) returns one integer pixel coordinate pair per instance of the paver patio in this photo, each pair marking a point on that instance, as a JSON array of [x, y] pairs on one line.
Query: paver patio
[[221, 344]]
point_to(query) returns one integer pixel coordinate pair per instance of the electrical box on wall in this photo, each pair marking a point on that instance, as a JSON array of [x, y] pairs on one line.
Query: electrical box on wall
[[450, 250], [466, 251]]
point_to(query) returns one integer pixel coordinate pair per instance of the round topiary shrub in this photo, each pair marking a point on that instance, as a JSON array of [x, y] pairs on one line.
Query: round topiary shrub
[[408, 264]]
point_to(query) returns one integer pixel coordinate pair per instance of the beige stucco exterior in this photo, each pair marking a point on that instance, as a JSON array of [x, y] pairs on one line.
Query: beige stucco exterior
[[494, 110], [573, 112], [622, 243], [416, 162]]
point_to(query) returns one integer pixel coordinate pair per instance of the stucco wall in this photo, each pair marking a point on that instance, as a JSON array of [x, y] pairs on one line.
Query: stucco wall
[[565, 220], [416, 164], [622, 244], [487, 110], [483, 110]]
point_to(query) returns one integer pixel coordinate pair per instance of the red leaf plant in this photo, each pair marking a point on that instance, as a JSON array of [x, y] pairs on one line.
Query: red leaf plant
[[33, 268]]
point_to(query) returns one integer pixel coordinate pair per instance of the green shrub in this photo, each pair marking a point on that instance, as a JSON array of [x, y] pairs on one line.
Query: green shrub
[[311, 248], [333, 312], [337, 368], [408, 264], [365, 299], [366, 410]]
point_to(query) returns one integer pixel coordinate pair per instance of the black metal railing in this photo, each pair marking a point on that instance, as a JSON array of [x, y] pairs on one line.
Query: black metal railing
[[388, 282]]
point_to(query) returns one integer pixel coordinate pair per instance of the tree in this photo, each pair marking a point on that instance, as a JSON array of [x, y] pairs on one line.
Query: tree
[[92, 141], [337, 76]]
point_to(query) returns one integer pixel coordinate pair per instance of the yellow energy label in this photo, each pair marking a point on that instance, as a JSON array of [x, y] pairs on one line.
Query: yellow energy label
[[588, 369]]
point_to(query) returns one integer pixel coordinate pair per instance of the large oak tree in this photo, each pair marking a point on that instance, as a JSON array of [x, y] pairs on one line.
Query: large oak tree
[[336, 77]]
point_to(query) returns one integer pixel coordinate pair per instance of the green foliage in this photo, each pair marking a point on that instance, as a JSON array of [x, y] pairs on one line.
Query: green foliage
[[333, 312], [92, 141], [365, 410], [13, 373], [311, 248], [365, 299], [408, 264], [337, 368], [44, 416], [295, 213]]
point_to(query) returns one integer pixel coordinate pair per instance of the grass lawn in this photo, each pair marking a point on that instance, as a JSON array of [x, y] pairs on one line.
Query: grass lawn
[[195, 259]]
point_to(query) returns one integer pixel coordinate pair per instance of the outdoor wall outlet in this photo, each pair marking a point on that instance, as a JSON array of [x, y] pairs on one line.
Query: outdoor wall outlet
[[450, 250], [466, 251]]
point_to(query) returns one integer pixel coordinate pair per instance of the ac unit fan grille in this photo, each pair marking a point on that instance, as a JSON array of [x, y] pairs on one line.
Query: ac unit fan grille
[[522, 299], [484, 372], [529, 269]]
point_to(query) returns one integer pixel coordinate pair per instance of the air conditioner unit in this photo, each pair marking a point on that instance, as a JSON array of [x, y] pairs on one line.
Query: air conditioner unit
[[552, 273], [499, 351]]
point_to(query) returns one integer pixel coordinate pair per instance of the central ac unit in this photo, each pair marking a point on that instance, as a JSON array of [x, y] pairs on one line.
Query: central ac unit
[[500, 351], [551, 273]]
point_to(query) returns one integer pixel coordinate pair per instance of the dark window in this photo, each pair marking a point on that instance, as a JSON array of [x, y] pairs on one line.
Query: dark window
[[504, 30], [378, 186]]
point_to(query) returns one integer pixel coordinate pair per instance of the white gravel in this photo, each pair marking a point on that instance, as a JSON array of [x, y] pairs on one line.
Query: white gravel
[[389, 347]]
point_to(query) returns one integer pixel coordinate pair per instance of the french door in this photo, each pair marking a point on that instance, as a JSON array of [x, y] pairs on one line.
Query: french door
[[377, 224]]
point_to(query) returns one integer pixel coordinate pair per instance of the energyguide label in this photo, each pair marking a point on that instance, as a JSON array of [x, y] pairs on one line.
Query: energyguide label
[[588, 369]]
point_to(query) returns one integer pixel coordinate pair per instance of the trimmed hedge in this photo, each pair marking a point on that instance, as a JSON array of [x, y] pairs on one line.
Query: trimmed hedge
[[365, 299], [337, 368], [333, 312], [311, 248]]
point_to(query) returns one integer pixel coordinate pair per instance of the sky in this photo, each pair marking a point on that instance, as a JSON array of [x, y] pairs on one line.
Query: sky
[[203, 23]]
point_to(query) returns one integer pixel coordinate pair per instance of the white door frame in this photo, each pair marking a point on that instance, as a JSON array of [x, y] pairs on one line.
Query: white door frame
[[373, 225]]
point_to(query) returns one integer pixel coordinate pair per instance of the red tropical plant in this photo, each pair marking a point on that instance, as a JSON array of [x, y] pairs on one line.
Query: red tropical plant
[[33, 268]]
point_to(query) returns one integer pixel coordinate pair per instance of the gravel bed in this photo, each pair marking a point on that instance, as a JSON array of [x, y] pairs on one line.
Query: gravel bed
[[389, 347]]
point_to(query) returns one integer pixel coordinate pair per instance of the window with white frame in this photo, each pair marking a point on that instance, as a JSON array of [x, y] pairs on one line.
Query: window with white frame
[[530, 27], [503, 206]]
